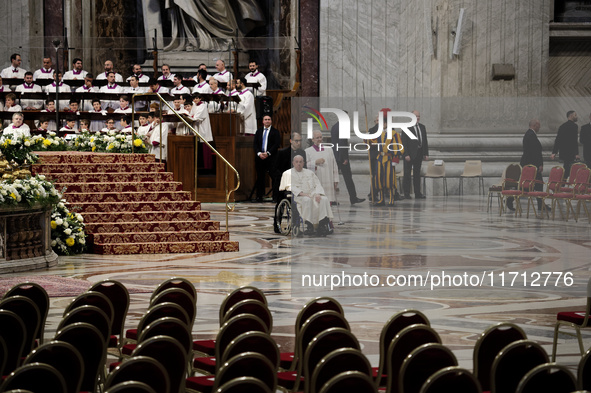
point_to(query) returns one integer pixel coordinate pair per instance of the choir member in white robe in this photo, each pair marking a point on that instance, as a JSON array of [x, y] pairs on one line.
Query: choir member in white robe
[[321, 160], [256, 76], [155, 141], [246, 107], [312, 202], [200, 115], [30, 87], [17, 128]]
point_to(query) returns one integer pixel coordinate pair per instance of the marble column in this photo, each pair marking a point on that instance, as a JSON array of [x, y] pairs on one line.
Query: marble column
[[310, 46]]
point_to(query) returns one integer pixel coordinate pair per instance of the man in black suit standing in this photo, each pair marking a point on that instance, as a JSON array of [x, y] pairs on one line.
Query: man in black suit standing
[[415, 152], [532, 155], [340, 148], [566, 143], [585, 139], [266, 143]]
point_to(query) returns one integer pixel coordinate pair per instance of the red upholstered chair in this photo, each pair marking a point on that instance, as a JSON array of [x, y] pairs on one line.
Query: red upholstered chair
[[553, 185], [452, 379], [90, 343], [549, 377], [13, 332], [576, 319], [391, 328], [336, 362], [131, 387], [320, 346], [512, 171], [178, 296], [89, 314], [65, 358], [289, 359], [244, 385], [580, 186], [421, 363], [119, 297], [170, 354], [513, 362], [142, 369], [237, 295], [166, 326], [236, 326], [574, 168], [28, 311], [409, 338], [526, 183], [39, 296], [176, 282], [36, 377], [157, 311], [350, 381], [487, 347], [251, 306], [92, 298], [315, 325]]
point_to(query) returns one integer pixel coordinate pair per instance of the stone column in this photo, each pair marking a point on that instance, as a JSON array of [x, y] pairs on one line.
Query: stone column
[[310, 46]]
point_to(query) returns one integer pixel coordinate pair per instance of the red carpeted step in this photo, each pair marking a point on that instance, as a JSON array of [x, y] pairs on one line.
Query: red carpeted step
[[120, 177], [164, 248], [152, 226], [75, 157], [120, 187], [114, 217], [110, 207], [159, 237], [80, 197], [93, 168]]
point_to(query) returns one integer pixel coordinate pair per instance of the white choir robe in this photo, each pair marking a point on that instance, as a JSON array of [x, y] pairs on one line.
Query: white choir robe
[[140, 102], [328, 173], [103, 76], [257, 77], [181, 128], [51, 126], [25, 103], [307, 182], [115, 89], [14, 108], [140, 77], [155, 137], [9, 73], [142, 131], [166, 78], [50, 90], [87, 105], [202, 88], [200, 114], [248, 111], [98, 125], [72, 74], [225, 76], [212, 105], [21, 131], [42, 73]]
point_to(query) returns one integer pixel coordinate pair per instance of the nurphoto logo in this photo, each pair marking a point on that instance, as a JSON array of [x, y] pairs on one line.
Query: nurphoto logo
[[387, 122]]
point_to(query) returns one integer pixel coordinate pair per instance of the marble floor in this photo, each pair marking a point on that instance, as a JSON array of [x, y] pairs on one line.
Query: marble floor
[[489, 265]]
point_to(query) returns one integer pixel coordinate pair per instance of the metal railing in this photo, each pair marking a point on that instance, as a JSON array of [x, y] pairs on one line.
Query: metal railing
[[199, 137]]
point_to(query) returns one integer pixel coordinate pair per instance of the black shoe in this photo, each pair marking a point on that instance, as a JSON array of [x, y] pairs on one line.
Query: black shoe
[[357, 200], [258, 200], [334, 203], [323, 227], [420, 196], [406, 196], [379, 204], [309, 229], [510, 207]]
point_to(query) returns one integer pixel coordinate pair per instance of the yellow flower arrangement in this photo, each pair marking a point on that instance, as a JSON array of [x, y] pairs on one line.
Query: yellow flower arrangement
[[53, 224], [46, 142], [138, 142], [70, 242]]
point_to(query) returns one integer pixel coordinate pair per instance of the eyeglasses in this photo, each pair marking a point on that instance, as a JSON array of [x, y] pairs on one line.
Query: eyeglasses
[[297, 140]]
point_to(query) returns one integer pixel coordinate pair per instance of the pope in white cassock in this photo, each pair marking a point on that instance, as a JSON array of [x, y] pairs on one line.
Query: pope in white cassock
[[313, 205], [321, 160]]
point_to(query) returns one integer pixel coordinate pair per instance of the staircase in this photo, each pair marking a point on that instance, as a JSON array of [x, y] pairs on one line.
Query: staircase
[[130, 205]]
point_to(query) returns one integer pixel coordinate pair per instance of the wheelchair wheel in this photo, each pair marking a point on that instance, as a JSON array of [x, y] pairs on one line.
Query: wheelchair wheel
[[284, 217]]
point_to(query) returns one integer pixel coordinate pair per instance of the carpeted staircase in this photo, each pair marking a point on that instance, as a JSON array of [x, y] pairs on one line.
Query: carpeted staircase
[[130, 205]]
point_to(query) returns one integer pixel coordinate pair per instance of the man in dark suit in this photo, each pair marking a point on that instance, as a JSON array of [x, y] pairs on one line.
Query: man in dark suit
[[585, 139], [415, 152], [566, 143], [532, 155], [341, 155], [266, 144]]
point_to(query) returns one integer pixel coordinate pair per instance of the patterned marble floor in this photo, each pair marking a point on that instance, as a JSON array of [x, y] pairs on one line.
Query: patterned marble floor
[[427, 239]]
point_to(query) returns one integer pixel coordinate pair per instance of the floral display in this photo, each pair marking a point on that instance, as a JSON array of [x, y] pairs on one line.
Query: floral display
[[18, 149], [109, 142], [32, 191], [51, 142], [67, 231]]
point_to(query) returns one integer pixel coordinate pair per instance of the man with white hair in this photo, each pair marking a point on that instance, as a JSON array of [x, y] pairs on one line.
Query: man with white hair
[[312, 203], [222, 75], [17, 128], [321, 160]]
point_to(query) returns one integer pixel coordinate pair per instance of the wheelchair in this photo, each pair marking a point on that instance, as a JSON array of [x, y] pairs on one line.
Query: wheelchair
[[287, 218]]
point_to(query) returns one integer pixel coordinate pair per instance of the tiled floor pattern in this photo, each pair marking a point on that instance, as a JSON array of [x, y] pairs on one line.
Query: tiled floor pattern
[[454, 235]]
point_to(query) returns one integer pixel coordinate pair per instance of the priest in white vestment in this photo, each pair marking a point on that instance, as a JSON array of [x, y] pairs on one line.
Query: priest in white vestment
[[312, 203], [321, 160]]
